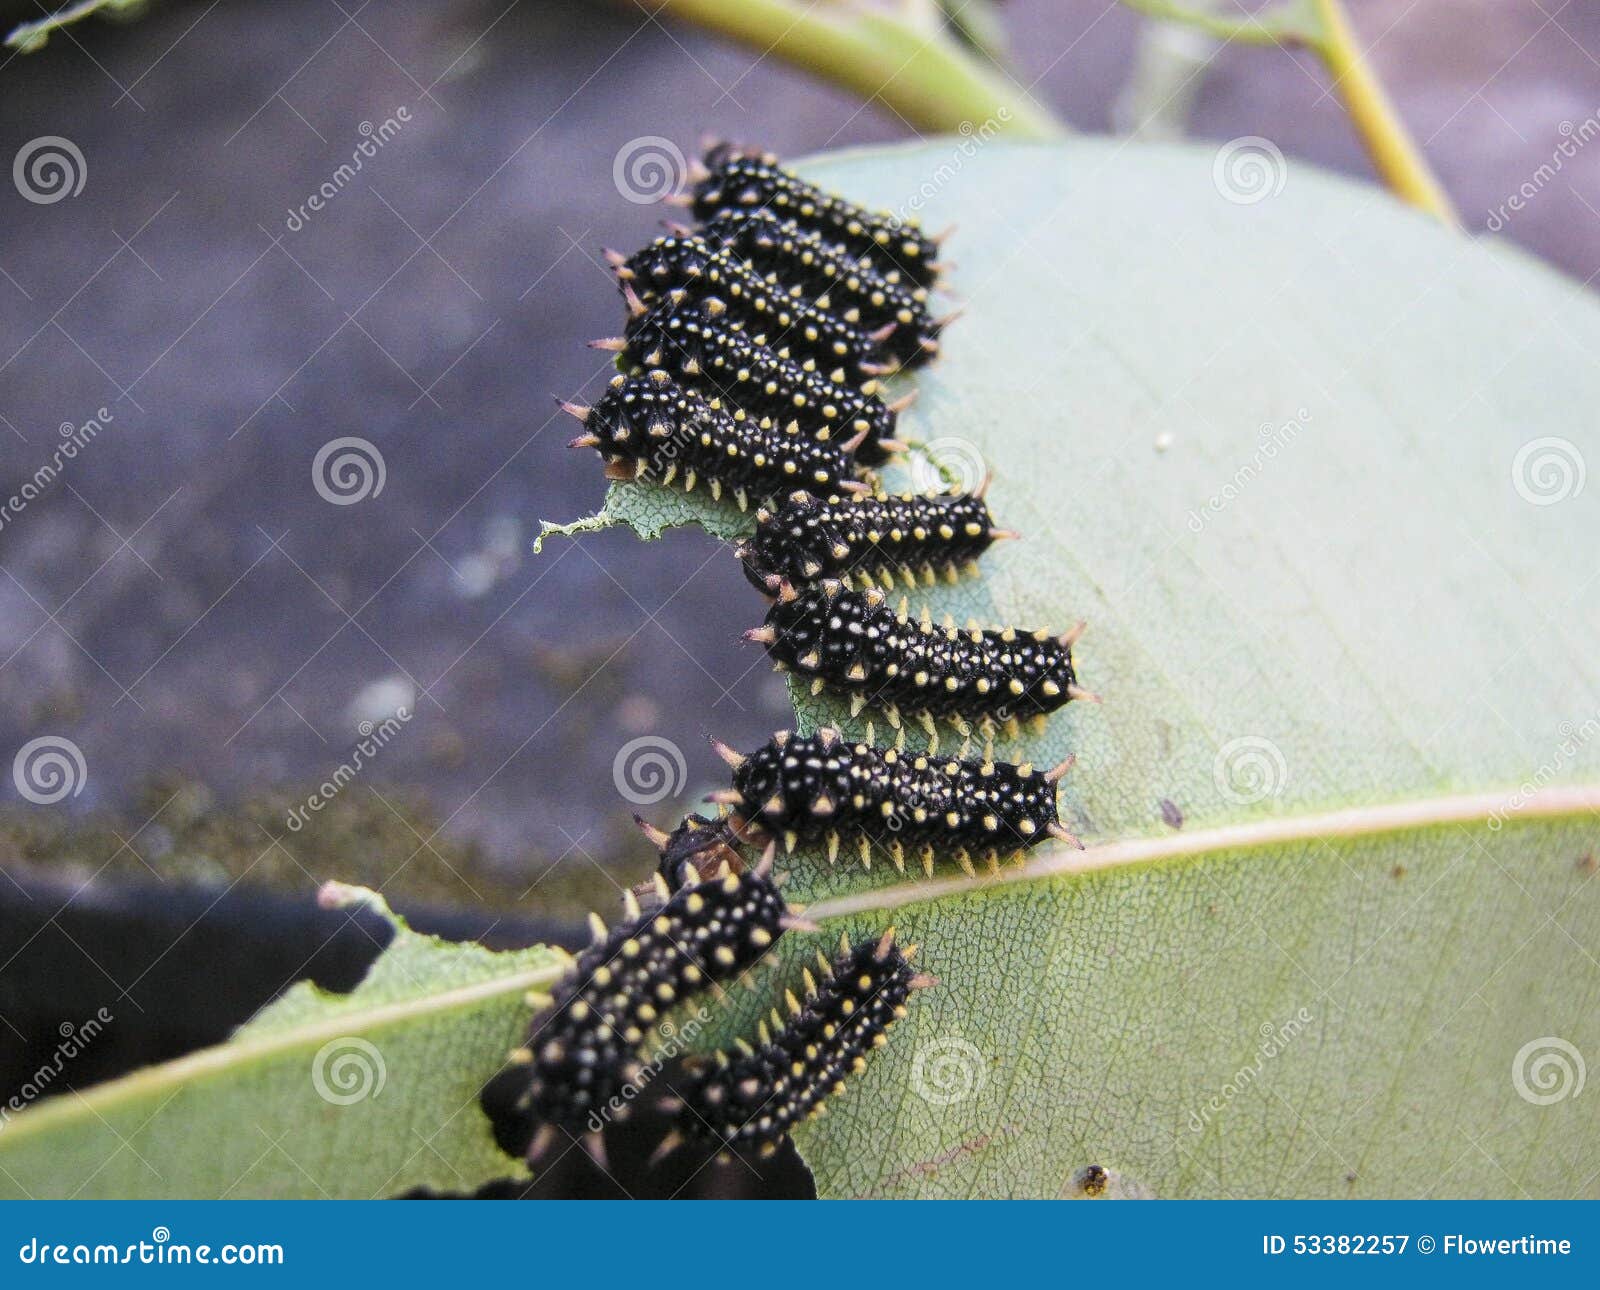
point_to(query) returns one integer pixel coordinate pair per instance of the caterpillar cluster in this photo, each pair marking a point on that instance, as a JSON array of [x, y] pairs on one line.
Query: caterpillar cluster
[[773, 316], [765, 267], [728, 317], [853, 642], [753, 352], [732, 178], [856, 538], [691, 340], [648, 427], [823, 788], [747, 1102], [585, 1047], [860, 293]]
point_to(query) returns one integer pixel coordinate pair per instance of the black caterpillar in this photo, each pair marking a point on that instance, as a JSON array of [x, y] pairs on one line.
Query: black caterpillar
[[695, 849], [748, 1102], [853, 538], [645, 426], [733, 178], [770, 313], [584, 1048], [854, 642], [689, 340], [803, 260], [821, 788]]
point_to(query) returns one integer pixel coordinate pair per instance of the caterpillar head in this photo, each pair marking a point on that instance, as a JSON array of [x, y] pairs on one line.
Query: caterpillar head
[[789, 543], [787, 780], [638, 418], [666, 263]]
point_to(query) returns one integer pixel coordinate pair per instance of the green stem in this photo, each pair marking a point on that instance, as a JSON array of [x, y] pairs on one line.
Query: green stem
[[1285, 26], [31, 36], [1395, 155], [1323, 26], [922, 76]]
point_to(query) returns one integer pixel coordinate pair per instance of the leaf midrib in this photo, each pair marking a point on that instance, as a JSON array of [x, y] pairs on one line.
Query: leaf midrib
[[1057, 860], [235, 1052]]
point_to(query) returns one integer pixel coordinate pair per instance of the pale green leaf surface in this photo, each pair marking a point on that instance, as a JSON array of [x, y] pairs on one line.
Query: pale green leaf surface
[[1404, 638], [402, 1059]]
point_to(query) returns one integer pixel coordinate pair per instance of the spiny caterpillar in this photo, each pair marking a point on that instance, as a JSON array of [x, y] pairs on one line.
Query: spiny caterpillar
[[694, 850], [749, 1101], [645, 426], [803, 260], [689, 340], [853, 641], [585, 1046], [771, 314], [821, 788], [853, 538], [729, 177]]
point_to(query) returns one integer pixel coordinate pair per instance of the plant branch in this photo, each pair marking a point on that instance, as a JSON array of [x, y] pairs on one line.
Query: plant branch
[[1323, 26], [1394, 153], [1290, 24], [31, 36], [925, 77]]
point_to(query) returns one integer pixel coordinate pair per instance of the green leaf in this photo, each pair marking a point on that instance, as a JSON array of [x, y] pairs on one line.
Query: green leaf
[[357, 1095], [1276, 452]]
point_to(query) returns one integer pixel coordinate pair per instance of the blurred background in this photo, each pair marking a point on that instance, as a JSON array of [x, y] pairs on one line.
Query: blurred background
[[200, 607]]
